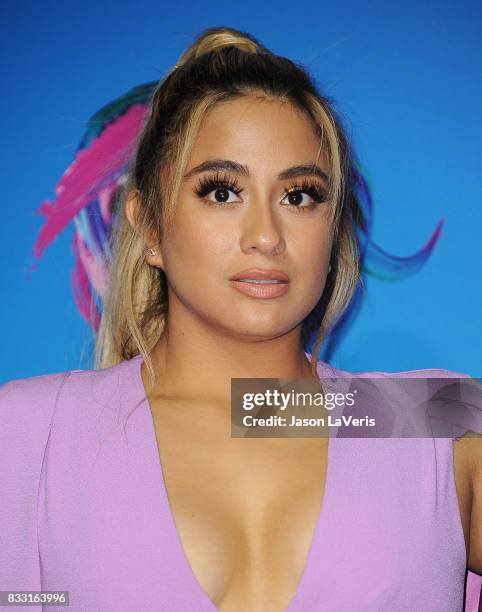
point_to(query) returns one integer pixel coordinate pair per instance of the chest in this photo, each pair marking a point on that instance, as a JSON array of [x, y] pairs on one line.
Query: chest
[[245, 511]]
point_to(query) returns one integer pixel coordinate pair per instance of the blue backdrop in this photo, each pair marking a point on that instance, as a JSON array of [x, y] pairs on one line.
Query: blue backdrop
[[406, 79]]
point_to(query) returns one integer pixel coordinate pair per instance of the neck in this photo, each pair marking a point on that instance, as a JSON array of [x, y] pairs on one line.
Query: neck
[[196, 362]]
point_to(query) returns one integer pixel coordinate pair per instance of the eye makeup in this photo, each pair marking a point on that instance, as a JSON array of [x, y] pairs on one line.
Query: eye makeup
[[215, 181], [221, 181]]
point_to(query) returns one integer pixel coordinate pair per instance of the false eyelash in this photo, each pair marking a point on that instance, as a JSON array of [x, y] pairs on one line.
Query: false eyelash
[[221, 181], [216, 181], [312, 189]]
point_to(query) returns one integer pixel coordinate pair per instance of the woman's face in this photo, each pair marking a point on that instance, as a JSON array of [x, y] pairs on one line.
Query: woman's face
[[249, 200]]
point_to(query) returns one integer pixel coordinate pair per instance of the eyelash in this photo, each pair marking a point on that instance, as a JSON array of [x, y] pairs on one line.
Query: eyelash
[[220, 181]]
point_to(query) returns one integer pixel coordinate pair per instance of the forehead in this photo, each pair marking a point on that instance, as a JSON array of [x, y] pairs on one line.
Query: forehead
[[258, 132]]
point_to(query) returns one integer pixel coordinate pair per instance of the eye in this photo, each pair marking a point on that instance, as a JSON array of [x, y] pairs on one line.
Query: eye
[[218, 190], [305, 196]]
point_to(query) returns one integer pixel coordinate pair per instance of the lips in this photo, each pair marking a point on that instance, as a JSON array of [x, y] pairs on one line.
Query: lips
[[261, 276]]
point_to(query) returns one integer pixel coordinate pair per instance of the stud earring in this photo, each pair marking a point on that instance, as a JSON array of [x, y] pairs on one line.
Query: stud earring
[[329, 268], [152, 251]]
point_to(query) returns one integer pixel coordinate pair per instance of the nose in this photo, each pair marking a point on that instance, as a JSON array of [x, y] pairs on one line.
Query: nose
[[261, 230]]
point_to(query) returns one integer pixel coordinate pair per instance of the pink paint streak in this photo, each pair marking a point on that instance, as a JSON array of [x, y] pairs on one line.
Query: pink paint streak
[[90, 173]]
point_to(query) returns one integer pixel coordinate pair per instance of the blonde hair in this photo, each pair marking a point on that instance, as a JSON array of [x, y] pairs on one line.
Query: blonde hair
[[222, 64]]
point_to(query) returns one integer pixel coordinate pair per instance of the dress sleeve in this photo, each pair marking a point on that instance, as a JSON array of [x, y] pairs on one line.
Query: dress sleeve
[[469, 395], [26, 410], [474, 401]]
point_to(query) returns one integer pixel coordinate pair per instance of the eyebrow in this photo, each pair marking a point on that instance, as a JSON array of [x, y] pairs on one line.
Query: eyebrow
[[237, 168]]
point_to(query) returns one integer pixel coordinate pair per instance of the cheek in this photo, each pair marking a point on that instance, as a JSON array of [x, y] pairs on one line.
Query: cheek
[[198, 249], [311, 250]]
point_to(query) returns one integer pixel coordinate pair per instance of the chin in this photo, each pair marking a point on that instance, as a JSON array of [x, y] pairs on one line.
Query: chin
[[262, 328]]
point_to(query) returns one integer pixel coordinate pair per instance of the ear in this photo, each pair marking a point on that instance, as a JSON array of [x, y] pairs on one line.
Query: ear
[[132, 205]]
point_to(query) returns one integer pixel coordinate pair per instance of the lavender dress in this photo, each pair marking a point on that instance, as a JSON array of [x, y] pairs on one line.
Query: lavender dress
[[83, 508]]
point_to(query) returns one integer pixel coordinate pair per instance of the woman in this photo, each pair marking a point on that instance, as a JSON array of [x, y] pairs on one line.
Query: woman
[[238, 240]]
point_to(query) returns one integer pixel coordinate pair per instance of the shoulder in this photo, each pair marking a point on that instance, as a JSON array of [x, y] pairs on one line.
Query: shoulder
[[430, 373], [58, 409], [28, 406], [329, 370], [462, 395]]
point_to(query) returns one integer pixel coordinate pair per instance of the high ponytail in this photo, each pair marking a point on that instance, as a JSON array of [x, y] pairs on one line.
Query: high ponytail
[[213, 39]]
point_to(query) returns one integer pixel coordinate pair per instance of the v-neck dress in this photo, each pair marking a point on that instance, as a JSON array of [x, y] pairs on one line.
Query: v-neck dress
[[84, 508]]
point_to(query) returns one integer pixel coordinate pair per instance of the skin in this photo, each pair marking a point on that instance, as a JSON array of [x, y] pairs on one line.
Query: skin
[[215, 333], [467, 453], [213, 329]]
